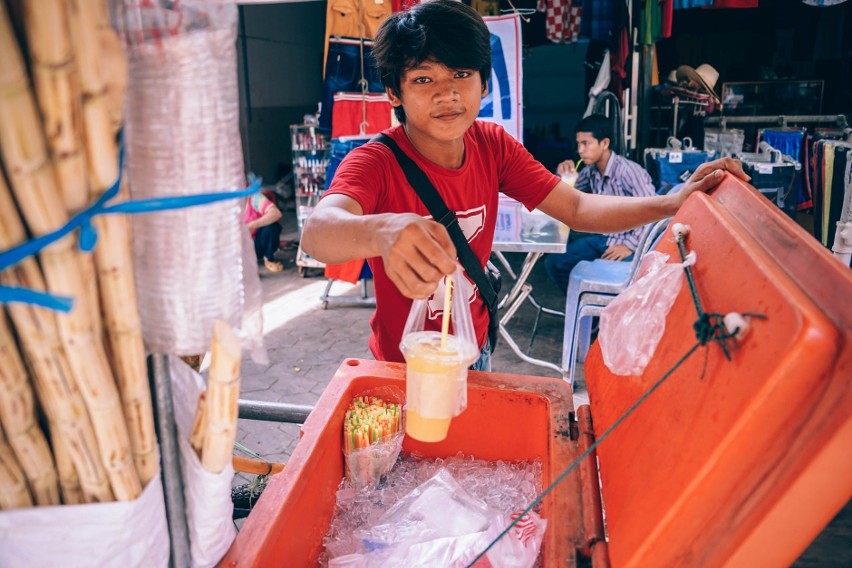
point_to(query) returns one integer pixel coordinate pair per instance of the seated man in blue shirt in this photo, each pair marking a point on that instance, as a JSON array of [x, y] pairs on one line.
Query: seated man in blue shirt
[[605, 173]]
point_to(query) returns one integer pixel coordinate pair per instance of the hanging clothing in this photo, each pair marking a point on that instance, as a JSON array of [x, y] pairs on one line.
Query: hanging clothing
[[486, 7], [735, 4], [791, 143], [667, 7], [562, 19], [598, 21], [684, 4], [403, 5], [652, 22]]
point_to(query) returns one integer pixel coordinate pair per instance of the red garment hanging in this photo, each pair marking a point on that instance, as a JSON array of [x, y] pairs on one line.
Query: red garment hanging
[[667, 8], [733, 4]]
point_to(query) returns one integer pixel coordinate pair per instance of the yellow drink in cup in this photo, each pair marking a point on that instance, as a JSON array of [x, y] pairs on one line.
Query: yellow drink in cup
[[435, 383]]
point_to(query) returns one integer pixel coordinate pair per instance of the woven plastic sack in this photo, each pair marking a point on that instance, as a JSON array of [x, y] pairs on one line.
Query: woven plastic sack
[[122, 534], [632, 325], [209, 509], [194, 265]]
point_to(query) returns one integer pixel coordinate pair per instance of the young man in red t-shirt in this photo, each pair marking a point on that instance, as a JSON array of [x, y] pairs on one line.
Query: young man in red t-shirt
[[434, 61]]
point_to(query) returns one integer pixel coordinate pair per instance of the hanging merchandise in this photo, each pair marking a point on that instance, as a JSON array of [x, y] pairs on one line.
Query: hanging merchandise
[[562, 23], [183, 138], [502, 103], [792, 142], [726, 142], [356, 18], [735, 3], [357, 114], [403, 5], [675, 163], [684, 4], [702, 78], [598, 21], [775, 175], [486, 7], [350, 67]]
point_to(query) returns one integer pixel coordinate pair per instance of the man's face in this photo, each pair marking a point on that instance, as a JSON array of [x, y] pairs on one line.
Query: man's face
[[590, 149], [440, 103]]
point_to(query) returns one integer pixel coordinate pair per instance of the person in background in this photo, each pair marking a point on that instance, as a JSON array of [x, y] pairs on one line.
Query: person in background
[[262, 218], [606, 173], [435, 60]]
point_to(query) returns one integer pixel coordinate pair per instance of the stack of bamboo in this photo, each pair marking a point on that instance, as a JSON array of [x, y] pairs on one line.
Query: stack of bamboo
[[84, 371]]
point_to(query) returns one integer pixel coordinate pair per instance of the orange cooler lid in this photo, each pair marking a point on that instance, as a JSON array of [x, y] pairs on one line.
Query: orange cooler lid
[[741, 462]]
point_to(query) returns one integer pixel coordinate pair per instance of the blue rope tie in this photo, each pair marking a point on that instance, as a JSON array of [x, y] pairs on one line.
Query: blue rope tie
[[89, 236]]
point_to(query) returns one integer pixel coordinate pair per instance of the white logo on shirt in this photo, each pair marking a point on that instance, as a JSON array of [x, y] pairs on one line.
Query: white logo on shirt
[[472, 223]]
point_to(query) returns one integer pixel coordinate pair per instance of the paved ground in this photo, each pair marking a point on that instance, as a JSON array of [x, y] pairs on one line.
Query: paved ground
[[306, 344]]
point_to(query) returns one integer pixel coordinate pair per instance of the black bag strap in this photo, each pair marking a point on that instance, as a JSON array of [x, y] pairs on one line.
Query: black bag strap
[[438, 209]]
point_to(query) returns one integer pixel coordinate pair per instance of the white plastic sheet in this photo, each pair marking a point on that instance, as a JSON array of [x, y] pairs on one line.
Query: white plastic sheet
[[120, 534]]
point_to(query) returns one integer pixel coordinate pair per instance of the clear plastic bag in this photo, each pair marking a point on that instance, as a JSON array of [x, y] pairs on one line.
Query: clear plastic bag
[[632, 325], [436, 373], [366, 466]]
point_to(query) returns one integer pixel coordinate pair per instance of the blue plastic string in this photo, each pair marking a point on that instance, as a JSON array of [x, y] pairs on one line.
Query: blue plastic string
[[88, 235]]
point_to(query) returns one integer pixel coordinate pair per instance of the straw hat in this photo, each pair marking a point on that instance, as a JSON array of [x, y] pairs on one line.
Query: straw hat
[[705, 76]]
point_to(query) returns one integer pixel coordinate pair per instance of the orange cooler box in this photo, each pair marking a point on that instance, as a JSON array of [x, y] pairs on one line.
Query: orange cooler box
[[508, 417], [728, 463]]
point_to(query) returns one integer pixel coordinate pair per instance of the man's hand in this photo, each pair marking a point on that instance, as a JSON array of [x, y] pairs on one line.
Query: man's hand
[[710, 174], [616, 252], [416, 252], [566, 167]]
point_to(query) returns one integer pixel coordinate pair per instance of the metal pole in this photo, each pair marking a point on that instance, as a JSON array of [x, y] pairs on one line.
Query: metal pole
[[274, 411], [779, 119], [158, 374]]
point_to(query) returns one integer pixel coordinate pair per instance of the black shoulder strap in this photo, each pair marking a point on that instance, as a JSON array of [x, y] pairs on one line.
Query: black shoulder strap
[[439, 211]]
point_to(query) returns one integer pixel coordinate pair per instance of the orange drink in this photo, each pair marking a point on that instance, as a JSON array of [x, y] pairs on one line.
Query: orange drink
[[435, 383]]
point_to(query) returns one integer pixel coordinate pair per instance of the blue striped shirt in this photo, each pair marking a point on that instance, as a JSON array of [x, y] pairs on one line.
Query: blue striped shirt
[[622, 178]]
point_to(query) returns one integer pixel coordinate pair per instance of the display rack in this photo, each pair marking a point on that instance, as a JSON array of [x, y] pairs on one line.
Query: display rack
[[310, 150]]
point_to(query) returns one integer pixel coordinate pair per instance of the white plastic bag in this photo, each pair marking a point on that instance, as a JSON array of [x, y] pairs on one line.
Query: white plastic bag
[[120, 534], [440, 525], [209, 509], [633, 324], [436, 373]]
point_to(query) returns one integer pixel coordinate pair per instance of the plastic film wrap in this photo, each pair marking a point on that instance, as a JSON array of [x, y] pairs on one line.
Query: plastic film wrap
[[194, 265]]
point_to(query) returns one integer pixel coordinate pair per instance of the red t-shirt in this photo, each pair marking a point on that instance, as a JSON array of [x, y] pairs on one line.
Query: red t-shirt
[[494, 162]]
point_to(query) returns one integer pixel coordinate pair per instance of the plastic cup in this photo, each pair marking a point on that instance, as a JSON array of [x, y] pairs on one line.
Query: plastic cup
[[435, 383]]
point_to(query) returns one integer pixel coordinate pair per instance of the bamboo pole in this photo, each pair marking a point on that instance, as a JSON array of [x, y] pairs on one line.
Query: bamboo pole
[[69, 481], [223, 393], [199, 425], [17, 415], [56, 388], [113, 256], [14, 493], [58, 92], [23, 152]]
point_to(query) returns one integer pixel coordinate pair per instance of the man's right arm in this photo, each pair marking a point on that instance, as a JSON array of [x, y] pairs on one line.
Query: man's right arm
[[416, 252]]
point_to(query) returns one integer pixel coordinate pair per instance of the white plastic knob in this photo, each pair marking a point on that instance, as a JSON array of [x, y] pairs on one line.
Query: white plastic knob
[[735, 324], [680, 229]]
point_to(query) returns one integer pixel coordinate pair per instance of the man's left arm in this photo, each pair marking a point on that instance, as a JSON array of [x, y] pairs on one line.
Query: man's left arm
[[609, 214]]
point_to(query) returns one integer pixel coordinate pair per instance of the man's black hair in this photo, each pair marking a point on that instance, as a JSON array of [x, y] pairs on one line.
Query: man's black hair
[[447, 31], [599, 125]]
